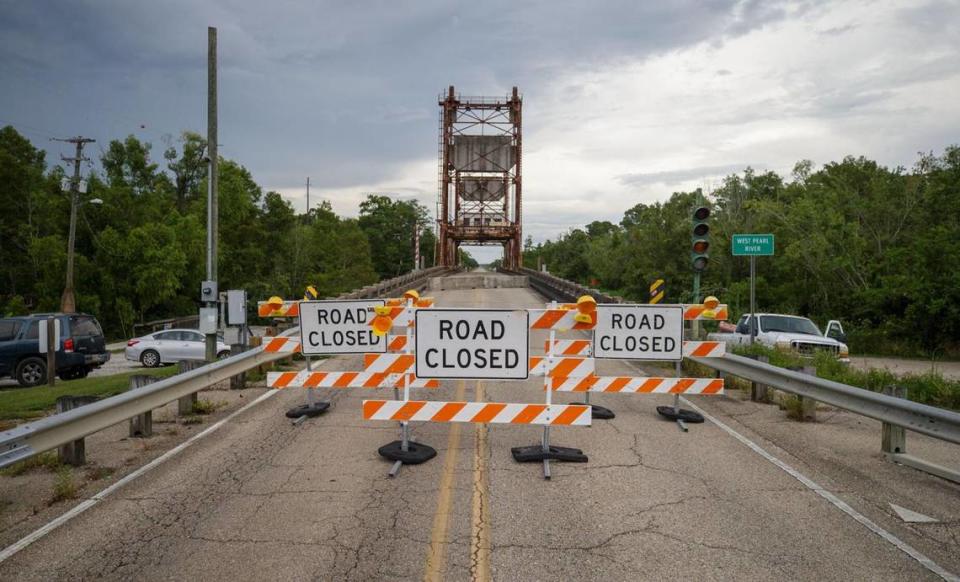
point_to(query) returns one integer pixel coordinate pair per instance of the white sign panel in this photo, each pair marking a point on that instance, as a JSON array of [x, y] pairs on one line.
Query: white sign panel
[[236, 307], [639, 332], [42, 334], [340, 327], [473, 343]]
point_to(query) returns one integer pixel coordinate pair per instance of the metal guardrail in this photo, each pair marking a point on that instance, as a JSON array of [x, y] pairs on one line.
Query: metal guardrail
[[896, 414], [562, 290], [929, 420], [32, 438]]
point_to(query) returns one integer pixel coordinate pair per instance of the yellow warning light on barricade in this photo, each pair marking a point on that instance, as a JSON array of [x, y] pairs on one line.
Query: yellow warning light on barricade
[[411, 295], [586, 304], [381, 324], [583, 318], [384, 310], [275, 302], [710, 305]]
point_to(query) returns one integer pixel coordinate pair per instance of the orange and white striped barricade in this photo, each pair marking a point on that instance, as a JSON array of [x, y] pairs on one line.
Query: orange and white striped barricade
[[704, 349], [555, 319], [323, 379], [561, 367], [649, 332], [478, 412], [698, 311], [400, 361], [278, 309], [566, 347], [279, 344], [560, 318], [638, 385], [331, 327], [396, 344]]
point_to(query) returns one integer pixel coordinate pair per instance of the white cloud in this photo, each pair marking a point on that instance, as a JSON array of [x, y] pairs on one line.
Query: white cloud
[[849, 78]]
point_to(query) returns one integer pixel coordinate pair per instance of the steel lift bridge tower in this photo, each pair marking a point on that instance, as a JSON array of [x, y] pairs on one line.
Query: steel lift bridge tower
[[480, 145]]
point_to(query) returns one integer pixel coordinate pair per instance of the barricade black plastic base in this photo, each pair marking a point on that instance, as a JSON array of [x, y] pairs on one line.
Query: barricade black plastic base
[[684, 415], [309, 410], [598, 412], [536, 454], [415, 454]]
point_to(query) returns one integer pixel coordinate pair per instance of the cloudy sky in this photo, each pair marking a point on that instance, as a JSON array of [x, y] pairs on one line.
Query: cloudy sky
[[624, 101]]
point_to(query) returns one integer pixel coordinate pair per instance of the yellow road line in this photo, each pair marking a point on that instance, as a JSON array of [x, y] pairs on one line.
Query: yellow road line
[[480, 530], [441, 518]]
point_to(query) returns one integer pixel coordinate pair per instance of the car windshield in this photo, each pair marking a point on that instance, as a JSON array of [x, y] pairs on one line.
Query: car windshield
[[788, 324]]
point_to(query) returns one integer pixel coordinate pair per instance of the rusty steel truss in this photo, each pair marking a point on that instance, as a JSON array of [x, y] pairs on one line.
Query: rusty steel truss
[[480, 176]]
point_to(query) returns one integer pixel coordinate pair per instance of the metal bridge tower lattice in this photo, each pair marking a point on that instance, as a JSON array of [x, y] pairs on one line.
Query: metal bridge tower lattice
[[480, 175]]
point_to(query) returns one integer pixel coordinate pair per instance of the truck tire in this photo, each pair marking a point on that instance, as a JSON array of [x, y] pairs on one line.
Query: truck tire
[[31, 372]]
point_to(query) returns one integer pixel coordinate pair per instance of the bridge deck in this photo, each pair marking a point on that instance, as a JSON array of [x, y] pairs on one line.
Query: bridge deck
[[263, 499]]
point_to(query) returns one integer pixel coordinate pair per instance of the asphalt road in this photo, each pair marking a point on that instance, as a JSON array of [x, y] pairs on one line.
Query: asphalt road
[[263, 499]]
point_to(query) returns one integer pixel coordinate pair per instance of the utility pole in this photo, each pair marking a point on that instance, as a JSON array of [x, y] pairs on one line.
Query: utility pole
[[308, 198], [212, 190], [68, 303]]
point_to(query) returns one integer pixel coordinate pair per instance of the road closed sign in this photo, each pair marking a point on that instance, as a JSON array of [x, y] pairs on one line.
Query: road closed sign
[[639, 332], [339, 327], [472, 343]]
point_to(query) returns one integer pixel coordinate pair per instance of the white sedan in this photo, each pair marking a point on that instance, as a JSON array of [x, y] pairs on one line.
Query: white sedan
[[170, 346]]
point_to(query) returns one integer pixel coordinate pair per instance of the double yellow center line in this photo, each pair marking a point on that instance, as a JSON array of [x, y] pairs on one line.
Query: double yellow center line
[[480, 522]]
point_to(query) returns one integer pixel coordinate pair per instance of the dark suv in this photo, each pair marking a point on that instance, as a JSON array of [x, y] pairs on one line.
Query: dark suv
[[81, 348]]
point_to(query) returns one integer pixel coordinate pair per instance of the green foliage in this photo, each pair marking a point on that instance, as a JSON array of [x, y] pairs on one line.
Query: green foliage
[[48, 461], [64, 487], [872, 246], [142, 253], [389, 226], [23, 403], [930, 388], [466, 260]]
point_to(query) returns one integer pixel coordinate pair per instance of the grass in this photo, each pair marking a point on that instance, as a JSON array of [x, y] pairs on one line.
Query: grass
[[207, 406], [26, 403], [48, 461], [929, 388], [64, 487]]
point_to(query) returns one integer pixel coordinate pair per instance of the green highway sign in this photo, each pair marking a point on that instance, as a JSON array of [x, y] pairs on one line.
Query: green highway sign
[[752, 244]]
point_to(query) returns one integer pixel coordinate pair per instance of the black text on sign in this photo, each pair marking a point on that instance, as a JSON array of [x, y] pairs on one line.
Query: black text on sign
[[639, 332], [339, 327], [472, 343]]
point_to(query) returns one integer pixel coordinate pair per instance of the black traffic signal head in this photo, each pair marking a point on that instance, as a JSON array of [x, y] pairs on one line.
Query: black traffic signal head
[[700, 239]]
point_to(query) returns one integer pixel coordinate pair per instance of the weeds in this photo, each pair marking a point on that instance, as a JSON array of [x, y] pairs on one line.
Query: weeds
[[929, 388], [191, 420], [49, 461], [64, 487], [207, 406]]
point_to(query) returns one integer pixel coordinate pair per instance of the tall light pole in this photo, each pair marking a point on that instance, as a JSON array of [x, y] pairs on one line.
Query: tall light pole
[[212, 190], [68, 303]]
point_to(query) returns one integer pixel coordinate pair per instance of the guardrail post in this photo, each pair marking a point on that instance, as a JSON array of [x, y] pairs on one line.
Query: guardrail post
[[73, 453], [758, 392], [808, 406], [185, 404], [141, 425], [893, 438]]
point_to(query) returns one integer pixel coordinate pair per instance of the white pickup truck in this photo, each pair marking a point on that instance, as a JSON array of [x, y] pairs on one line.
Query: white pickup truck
[[790, 333]]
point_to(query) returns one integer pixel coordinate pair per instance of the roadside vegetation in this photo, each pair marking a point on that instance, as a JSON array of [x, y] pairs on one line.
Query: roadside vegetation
[[141, 253], [26, 403], [872, 246], [929, 388]]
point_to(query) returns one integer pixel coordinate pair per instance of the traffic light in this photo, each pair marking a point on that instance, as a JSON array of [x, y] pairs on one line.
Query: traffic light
[[700, 239]]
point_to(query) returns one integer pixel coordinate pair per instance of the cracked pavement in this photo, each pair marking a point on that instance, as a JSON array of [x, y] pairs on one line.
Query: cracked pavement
[[263, 499]]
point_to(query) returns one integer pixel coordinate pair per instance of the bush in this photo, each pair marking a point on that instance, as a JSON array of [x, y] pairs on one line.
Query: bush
[[930, 388]]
